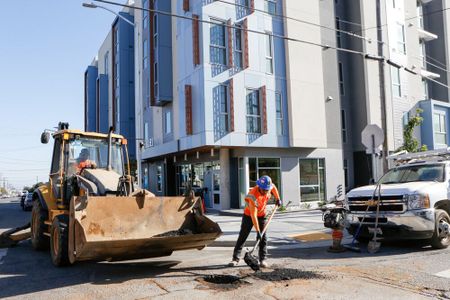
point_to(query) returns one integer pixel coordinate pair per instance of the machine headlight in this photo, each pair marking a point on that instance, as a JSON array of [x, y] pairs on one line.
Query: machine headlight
[[418, 201], [346, 206]]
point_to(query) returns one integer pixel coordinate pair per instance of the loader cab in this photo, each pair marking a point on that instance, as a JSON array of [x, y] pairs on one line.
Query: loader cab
[[73, 153]]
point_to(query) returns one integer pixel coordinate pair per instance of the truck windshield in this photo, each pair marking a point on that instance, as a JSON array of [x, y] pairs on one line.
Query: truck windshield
[[429, 172], [89, 152]]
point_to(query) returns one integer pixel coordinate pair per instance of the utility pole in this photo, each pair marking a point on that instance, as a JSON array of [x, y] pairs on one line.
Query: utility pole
[[384, 152]]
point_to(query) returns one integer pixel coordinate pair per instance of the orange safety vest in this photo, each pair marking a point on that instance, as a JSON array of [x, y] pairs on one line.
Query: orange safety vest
[[259, 200]]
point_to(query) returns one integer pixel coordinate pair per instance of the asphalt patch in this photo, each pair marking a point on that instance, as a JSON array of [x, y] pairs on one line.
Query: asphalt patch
[[222, 282], [287, 274]]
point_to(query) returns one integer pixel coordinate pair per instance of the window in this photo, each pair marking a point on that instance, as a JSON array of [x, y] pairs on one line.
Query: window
[[346, 173], [217, 48], [269, 53], [279, 113], [155, 70], [145, 14], [238, 46], [270, 6], [155, 31], [223, 112], [145, 54], [396, 85], [344, 126], [312, 179], [419, 15], [422, 54], [341, 80], [168, 122], [253, 112], [146, 134], [106, 62], [259, 166], [159, 178], [440, 129], [338, 32], [425, 88], [401, 43], [405, 119]]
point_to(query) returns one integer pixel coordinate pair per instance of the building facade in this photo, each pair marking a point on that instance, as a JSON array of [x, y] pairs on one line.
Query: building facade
[[402, 66], [223, 98], [110, 87]]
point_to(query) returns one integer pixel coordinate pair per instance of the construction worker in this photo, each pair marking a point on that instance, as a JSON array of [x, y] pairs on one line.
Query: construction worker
[[254, 216], [83, 161]]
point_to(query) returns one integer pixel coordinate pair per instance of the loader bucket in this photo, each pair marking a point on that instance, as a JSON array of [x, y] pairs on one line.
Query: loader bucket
[[120, 228]]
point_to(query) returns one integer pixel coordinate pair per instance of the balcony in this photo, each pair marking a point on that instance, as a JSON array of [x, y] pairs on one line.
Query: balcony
[[426, 35]]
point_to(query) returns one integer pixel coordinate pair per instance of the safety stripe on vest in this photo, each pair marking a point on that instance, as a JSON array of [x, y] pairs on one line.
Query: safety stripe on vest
[[253, 198]]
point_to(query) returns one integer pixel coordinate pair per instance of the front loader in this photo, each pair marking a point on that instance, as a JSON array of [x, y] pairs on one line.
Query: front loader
[[89, 211]]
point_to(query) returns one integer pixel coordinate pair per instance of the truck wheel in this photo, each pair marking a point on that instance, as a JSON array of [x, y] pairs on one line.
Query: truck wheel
[[59, 240], [441, 238], [39, 240]]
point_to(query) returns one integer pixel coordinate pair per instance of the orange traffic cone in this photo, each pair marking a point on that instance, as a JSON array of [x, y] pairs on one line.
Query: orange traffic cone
[[337, 236]]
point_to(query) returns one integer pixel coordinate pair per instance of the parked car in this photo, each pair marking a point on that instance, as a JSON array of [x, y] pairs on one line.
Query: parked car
[[28, 202], [22, 198], [414, 201]]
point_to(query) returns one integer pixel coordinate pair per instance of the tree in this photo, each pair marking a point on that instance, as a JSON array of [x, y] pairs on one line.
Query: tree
[[410, 143]]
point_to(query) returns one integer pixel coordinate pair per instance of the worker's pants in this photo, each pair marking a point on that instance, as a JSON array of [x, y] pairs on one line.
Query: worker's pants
[[246, 227]]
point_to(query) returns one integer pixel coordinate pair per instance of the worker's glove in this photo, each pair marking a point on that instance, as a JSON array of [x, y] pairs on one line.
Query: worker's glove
[[278, 203], [258, 236]]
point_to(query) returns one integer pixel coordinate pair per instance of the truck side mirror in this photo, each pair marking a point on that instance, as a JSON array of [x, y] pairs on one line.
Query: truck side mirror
[[45, 137]]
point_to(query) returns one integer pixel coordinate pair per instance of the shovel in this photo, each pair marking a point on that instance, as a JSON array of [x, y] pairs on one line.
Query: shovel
[[249, 259], [374, 246]]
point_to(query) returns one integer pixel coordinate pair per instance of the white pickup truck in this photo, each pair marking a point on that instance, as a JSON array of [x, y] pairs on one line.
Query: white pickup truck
[[413, 201]]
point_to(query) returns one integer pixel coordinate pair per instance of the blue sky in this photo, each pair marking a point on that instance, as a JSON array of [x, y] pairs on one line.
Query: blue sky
[[45, 47]]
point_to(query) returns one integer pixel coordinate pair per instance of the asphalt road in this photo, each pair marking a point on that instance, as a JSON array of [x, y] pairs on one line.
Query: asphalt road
[[398, 271]]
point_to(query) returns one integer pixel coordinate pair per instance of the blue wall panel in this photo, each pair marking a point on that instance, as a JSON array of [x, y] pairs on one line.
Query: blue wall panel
[[91, 101], [103, 104]]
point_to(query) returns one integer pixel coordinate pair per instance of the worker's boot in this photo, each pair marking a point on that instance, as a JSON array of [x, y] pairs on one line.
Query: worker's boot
[[233, 263], [263, 263]]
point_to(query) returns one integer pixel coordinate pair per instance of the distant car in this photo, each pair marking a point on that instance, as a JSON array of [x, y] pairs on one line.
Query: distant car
[[28, 203]]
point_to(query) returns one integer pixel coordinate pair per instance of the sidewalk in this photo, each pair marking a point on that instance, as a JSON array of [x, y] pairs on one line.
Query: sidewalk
[[288, 230]]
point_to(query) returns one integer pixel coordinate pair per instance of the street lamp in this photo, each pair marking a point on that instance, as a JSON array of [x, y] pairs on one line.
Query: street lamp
[[92, 5]]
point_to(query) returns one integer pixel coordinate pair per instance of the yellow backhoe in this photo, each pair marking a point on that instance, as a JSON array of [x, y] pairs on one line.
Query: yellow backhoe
[[89, 211]]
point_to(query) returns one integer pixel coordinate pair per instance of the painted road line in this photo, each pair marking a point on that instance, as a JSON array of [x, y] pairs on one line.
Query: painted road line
[[3, 252], [445, 274]]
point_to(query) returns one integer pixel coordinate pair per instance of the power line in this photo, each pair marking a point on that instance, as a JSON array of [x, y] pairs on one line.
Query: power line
[[407, 19], [293, 19], [234, 27], [268, 34]]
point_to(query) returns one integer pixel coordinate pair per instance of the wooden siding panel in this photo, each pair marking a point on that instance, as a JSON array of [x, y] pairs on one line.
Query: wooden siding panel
[[186, 5], [230, 44], [188, 108], [196, 40], [264, 109], [245, 32], [231, 91]]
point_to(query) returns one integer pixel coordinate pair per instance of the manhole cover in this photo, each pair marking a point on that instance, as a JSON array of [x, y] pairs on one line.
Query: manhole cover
[[287, 274]]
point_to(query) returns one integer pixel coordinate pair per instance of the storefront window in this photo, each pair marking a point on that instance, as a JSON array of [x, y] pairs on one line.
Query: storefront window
[[259, 166], [159, 179], [312, 180]]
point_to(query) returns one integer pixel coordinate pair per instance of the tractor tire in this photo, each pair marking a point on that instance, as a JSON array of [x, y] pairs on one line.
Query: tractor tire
[[438, 241], [59, 241], [39, 215]]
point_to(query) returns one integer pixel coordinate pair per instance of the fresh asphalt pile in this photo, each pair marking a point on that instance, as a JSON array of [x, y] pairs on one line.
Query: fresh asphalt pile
[[178, 232], [287, 274]]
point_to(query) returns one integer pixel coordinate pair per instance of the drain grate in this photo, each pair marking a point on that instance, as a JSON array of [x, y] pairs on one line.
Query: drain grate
[[287, 274]]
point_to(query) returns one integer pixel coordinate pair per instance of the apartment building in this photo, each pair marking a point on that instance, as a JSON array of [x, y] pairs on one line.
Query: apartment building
[[223, 98], [109, 84], [412, 38]]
